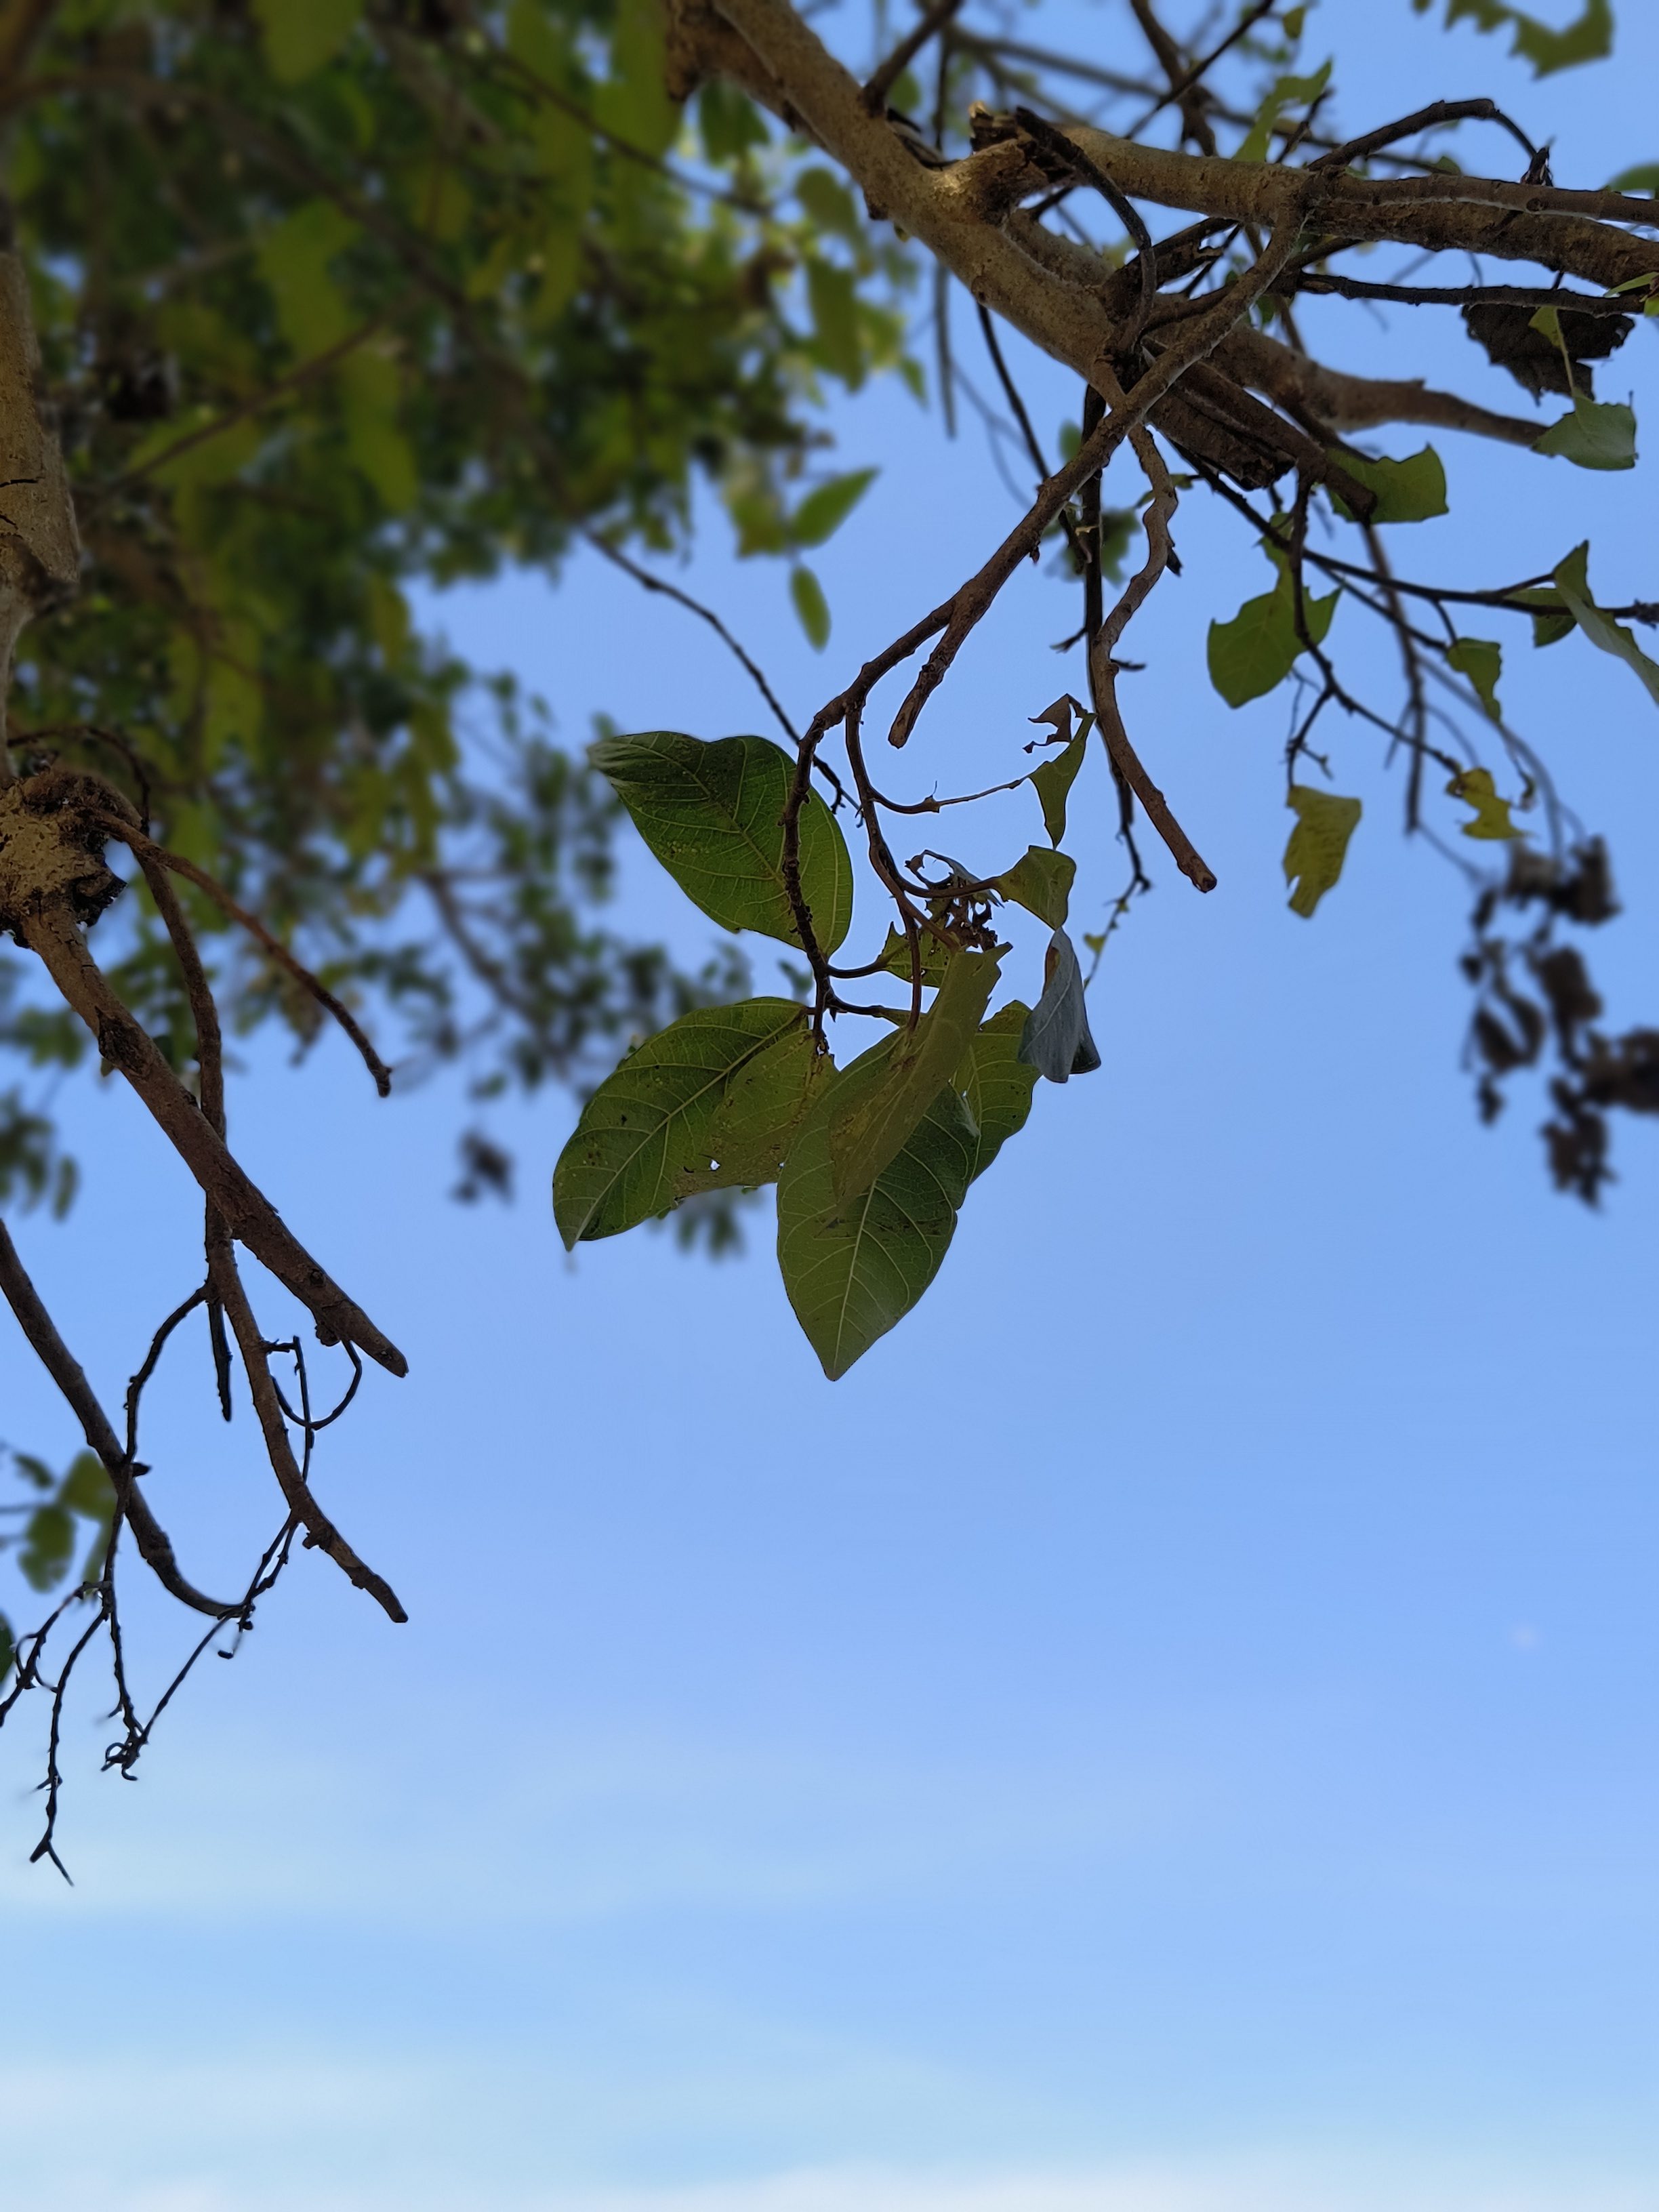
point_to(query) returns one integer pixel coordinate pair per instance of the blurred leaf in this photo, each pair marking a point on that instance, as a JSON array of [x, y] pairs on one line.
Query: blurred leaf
[[1475, 788], [995, 1084], [1594, 436], [712, 814], [832, 294], [300, 35], [851, 1269], [1055, 1039], [1645, 177], [829, 204], [634, 100], [295, 259], [729, 122], [810, 605], [1587, 37], [1572, 582], [825, 507], [876, 1119], [651, 1135], [1411, 490], [1481, 660], [1287, 92], [1053, 784], [1318, 844], [8, 1649], [48, 1547], [1041, 882]]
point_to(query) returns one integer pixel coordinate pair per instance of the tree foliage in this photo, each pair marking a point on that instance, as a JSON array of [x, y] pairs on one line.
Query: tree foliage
[[339, 303]]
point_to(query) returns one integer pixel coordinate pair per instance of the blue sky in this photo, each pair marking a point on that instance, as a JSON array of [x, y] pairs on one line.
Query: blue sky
[[1172, 1731]]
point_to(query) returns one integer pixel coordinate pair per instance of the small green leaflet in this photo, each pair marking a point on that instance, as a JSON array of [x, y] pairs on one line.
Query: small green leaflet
[[935, 957], [709, 1103], [1041, 882], [48, 1547], [1318, 844], [1551, 621], [1481, 660], [1053, 783], [1572, 582], [1055, 1039], [1587, 37], [810, 605], [300, 35], [1411, 490], [1287, 92], [1257, 649], [1475, 788], [1594, 436], [873, 1122], [1645, 177], [996, 1084], [852, 1269], [712, 814], [825, 507], [86, 1490]]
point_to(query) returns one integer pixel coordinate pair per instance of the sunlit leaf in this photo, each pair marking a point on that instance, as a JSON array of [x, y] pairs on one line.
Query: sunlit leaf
[[712, 814], [652, 1134], [1318, 844], [935, 957], [1475, 787]]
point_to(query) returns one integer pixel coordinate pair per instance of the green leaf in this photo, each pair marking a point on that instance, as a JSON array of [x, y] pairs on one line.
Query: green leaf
[[832, 294], [810, 605], [1551, 621], [1572, 582], [1055, 1039], [1475, 788], [935, 957], [48, 1547], [1481, 660], [712, 813], [1255, 651], [824, 508], [1411, 490], [874, 1123], [1644, 178], [729, 122], [666, 1122], [1042, 883], [1287, 92], [634, 101], [1594, 436], [87, 1489], [996, 1084], [1587, 37], [300, 35], [1053, 784], [1318, 844], [372, 389], [852, 1269], [829, 204], [294, 260]]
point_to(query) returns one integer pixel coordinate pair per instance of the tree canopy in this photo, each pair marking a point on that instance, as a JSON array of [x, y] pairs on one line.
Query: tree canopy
[[310, 306]]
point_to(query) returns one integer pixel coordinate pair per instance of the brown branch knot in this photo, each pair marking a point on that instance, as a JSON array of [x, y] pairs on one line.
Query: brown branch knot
[[52, 848]]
